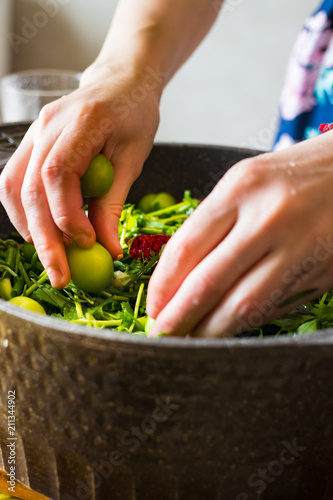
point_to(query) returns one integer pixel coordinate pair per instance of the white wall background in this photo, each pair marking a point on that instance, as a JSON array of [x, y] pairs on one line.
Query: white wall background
[[5, 50], [5, 21], [227, 93]]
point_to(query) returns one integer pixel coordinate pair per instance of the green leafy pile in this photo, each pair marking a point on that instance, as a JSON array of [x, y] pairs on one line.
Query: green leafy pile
[[312, 316], [122, 305]]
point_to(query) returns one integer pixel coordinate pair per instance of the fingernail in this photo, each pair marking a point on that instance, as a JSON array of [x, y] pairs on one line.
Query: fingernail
[[84, 240], [55, 276]]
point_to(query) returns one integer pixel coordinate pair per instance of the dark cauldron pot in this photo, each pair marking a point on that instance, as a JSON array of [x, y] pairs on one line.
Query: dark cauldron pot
[[106, 415]]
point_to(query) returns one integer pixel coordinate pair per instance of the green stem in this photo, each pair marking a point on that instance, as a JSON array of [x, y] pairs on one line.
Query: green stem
[[79, 311], [42, 278], [123, 233], [18, 287], [98, 323], [11, 255], [137, 306], [172, 208], [24, 274]]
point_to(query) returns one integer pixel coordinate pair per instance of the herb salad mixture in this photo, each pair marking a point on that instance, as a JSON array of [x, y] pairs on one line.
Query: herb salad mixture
[[122, 304]]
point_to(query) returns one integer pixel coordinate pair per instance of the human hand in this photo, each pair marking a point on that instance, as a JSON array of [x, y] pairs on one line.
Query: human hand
[[40, 185], [264, 235]]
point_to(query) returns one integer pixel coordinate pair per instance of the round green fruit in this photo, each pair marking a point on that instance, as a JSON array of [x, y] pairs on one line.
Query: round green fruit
[[98, 178], [27, 303], [162, 200], [146, 202], [91, 268]]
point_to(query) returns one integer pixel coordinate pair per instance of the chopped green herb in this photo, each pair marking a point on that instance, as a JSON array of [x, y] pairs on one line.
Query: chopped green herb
[[122, 305]]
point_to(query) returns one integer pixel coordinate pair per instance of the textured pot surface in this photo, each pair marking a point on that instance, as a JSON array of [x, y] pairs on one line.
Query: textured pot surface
[[108, 415]]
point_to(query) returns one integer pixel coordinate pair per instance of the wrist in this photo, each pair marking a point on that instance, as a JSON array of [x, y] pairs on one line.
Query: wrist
[[104, 72]]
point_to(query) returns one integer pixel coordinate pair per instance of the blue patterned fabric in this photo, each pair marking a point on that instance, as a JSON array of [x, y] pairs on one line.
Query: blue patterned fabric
[[307, 94]]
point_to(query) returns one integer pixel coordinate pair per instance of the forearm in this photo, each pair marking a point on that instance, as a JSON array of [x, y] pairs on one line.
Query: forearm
[[156, 33]]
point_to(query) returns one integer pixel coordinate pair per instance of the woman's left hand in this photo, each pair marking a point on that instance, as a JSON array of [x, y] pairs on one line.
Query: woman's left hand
[[263, 236]]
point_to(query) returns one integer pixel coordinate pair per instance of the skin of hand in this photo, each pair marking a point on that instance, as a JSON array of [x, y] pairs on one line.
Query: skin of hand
[[116, 112], [266, 235], [40, 185]]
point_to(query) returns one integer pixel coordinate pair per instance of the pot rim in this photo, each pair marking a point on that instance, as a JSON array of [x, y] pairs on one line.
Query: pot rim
[[320, 337]]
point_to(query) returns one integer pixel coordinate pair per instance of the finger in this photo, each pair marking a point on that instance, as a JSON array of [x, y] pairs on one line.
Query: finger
[[61, 172], [104, 212], [47, 228], [198, 236], [14, 173], [257, 298], [47, 238], [11, 181], [209, 282]]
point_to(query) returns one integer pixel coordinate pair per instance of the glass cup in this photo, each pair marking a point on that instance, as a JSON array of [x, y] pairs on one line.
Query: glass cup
[[23, 94]]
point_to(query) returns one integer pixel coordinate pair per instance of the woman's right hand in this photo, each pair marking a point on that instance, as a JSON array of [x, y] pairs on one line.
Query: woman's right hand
[[115, 112]]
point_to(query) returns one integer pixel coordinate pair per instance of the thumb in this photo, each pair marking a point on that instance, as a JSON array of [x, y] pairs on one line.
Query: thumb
[[104, 212]]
